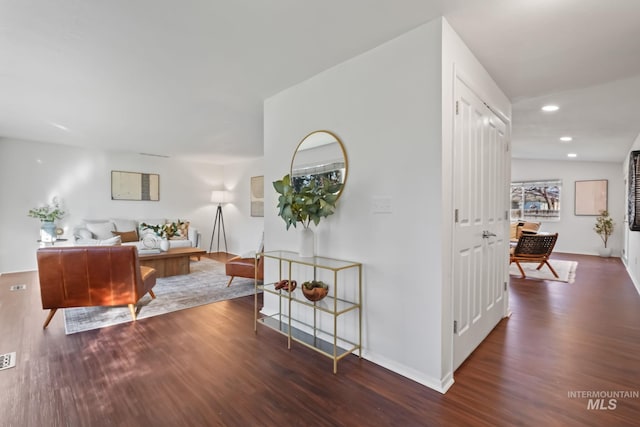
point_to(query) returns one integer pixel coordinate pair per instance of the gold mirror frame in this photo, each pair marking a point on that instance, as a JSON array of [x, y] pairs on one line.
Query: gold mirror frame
[[328, 162]]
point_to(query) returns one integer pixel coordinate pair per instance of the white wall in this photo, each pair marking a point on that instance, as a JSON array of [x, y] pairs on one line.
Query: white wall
[[243, 231], [633, 237], [32, 173], [386, 105], [575, 232]]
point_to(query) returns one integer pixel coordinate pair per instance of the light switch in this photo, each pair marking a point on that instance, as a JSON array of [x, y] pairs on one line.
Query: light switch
[[381, 205]]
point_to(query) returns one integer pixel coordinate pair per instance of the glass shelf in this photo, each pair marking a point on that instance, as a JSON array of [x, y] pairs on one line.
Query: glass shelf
[[280, 323], [329, 343], [326, 304], [316, 261]]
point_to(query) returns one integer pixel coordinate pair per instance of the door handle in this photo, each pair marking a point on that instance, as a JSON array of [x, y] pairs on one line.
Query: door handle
[[486, 234]]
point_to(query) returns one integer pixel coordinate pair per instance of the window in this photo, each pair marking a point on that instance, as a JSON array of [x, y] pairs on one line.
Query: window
[[536, 200]]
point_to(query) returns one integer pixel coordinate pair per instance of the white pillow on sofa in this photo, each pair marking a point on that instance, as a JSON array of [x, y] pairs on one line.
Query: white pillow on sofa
[[156, 221], [252, 254], [82, 234], [112, 241], [125, 224], [143, 231], [150, 241], [101, 230]]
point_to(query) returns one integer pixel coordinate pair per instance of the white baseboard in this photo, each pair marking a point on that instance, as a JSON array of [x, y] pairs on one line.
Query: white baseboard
[[439, 385], [20, 271], [633, 279]]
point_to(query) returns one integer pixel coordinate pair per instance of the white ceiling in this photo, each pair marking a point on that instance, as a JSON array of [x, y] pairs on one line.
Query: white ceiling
[[187, 79]]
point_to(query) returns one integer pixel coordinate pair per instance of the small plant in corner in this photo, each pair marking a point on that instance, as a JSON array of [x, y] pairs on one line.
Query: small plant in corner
[[309, 204], [604, 226]]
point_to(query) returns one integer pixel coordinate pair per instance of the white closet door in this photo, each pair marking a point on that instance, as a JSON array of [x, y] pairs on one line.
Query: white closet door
[[480, 232]]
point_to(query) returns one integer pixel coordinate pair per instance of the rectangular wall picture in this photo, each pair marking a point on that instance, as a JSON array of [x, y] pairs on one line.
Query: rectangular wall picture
[[257, 196], [591, 197], [135, 186]]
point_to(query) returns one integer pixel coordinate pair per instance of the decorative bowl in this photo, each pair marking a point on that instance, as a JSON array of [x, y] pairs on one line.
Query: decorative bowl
[[316, 293]]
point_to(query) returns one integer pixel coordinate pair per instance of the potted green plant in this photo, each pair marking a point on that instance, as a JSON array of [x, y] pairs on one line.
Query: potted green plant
[[604, 228], [310, 203], [48, 214]]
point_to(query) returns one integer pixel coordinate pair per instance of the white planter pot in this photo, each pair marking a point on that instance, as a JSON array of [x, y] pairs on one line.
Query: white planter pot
[[164, 245], [307, 243], [48, 232], [604, 252]]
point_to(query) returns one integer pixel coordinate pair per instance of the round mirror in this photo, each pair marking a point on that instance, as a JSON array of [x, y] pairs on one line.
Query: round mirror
[[320, 156]]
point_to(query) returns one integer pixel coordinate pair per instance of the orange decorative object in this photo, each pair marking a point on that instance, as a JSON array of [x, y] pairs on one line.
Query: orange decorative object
[[315, 294], [284, 285]]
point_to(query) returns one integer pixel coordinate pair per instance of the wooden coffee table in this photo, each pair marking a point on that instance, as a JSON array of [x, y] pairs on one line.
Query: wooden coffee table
[[172, 262]]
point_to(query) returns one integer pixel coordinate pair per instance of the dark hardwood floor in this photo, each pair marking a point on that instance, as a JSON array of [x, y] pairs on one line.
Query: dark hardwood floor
[[206, 367]]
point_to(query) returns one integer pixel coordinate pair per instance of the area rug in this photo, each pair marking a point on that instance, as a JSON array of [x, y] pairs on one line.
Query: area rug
[[207, 283], [566, 270]]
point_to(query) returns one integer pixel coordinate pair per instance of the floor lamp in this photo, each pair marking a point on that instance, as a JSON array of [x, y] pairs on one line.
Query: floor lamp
[[218, 223]]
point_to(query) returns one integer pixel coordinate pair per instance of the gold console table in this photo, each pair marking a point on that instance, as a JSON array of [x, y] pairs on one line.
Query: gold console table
[[290, 320]]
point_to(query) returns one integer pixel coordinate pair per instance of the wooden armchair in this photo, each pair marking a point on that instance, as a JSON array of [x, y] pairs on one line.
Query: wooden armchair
[[534, 248]]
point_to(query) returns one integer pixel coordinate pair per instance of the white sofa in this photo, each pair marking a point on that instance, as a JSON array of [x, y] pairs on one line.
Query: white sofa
[[131, 232]]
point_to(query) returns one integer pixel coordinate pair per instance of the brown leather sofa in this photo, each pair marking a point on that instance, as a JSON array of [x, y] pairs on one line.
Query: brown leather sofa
[[244, 267], [86, 276]]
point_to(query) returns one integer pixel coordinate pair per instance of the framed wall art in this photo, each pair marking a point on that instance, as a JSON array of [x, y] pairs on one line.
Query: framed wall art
[[257, 196], [591, 197], [135, 186]]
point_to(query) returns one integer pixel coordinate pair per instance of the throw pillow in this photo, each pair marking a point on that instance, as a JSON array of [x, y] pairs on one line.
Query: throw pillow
[[101, 230], [127, 236], [158, 222], [181, 230], [151, 241], [82, 234], [112, 241], [150, 228], [153, 221], [125, 224]]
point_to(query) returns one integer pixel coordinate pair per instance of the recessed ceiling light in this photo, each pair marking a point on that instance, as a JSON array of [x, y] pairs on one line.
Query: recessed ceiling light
[[572, 155], [550, 108], [566, 138]]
